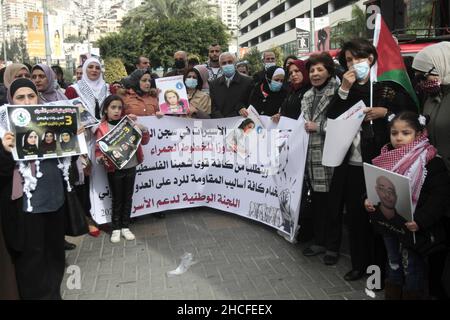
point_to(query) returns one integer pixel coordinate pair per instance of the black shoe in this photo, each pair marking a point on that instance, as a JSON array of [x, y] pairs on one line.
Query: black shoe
[[353, 275], [330, 260], [69, 246]]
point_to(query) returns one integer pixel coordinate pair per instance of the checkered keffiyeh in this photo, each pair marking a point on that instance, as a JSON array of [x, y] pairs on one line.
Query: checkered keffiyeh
[[410, 161]]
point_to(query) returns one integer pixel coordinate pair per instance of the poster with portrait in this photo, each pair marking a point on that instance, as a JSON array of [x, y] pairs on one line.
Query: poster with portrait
[[45, 131], [173, 97], [87, 119], [242, 139], [121, 142], [390, 191], [322, 32]]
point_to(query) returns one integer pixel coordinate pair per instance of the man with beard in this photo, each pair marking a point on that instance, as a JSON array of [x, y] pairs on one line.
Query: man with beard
[[213, 66]]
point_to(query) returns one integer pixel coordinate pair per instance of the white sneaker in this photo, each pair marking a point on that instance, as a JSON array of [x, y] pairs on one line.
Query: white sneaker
[[115, 236], [127, 234]]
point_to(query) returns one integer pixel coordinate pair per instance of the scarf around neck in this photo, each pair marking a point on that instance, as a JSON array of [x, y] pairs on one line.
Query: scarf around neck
[[410, 161]]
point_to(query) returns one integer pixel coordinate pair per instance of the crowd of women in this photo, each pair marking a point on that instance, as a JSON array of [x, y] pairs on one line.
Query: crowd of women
[[393, 136]]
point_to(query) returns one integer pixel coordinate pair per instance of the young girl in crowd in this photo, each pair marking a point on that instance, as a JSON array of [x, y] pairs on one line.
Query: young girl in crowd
[[121, 182], [410, 154]]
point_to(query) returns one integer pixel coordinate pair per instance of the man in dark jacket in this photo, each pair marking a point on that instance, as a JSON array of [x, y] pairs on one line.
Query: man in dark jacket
[[229, 93], [269, 60]]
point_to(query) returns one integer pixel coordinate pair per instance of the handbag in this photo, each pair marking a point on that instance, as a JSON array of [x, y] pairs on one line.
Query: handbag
[[75, 219]]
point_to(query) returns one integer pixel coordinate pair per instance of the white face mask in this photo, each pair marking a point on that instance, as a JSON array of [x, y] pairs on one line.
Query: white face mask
[[362, 70], [269, 64]]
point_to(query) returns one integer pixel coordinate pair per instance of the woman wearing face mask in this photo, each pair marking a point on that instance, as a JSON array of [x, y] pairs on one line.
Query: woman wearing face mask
[[347, 186], [315, 103], [198, 100], [268, 95], [140, 99], [432, 71]]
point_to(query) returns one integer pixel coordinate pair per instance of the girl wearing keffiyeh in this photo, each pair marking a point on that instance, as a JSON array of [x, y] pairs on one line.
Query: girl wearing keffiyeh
[[411, 154]]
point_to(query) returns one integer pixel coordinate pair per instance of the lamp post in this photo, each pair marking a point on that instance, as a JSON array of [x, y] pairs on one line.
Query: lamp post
[[312, 26], [4, 34], [48, 49]]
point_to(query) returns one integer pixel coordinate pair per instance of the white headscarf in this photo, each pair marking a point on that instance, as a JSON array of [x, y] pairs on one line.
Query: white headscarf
[[95, 85], [91, 90], [437, 56]]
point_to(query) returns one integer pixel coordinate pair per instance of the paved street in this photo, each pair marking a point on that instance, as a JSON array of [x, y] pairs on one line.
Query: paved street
[[236, 259]]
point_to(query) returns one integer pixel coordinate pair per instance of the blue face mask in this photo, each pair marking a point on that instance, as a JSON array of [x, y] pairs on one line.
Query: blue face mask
[[191, 83], [228, 70], [362, 70], [275, 86]]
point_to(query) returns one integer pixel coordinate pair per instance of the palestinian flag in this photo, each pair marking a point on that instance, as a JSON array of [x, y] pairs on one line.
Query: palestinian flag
[[390, 65]]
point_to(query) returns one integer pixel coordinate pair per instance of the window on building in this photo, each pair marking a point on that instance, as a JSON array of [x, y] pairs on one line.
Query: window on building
[[294, 2], [278, 9], [262, 2], [278, 30], [338, 4], [265, 36], [253, 42], [253, 25], [265, 17], [321, 10]]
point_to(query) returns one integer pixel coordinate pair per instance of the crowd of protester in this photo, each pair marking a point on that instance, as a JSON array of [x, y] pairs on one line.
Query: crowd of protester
[[394, 134]]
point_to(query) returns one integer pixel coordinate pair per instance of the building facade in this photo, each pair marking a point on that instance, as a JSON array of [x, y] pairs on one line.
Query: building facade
[[269, 23]]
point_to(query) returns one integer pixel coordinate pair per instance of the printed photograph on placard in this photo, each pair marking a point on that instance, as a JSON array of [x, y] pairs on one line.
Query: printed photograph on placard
[[173, 97], [45, 131], [121, 142], [87, 119]]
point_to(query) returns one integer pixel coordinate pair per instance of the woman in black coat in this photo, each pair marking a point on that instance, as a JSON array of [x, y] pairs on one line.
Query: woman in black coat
[[268, 95], [348, 185]]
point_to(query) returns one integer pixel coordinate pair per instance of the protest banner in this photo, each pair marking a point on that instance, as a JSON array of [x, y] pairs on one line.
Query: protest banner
[[44, 131], [192, 167], [340, 133], [121, 142], [173, 97]]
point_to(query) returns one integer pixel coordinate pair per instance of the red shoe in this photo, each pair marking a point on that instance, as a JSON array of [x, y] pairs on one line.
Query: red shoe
[[95, 233]]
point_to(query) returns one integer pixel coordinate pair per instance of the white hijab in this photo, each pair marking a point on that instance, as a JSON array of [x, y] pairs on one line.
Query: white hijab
[[95, 85], [437, 56]]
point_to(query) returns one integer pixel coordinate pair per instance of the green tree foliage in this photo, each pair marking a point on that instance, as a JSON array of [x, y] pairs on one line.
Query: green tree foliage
[[165, 10], [346, 30], [114, 70], [16, 50], [420, 19], [159, 40], [254, 58]]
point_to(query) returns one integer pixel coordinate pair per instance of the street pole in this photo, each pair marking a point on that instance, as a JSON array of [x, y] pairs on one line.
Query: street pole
[[48, 50], [311, 19], [4, 35]]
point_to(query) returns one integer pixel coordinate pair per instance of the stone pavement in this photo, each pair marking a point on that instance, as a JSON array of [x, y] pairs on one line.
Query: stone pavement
[[236, 259]]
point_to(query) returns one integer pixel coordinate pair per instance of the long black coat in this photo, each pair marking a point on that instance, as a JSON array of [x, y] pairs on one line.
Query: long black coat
[[268, 105], [227, 101]]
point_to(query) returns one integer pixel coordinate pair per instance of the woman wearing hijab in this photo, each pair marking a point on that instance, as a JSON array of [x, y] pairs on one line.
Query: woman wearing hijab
[[30, 143], [432, 73], [34, 220], [48, 143], [268, 95], [140, 99], [44, 79], [92, 89], [198, 99], [299, 84], [203, 70], [15, 71]]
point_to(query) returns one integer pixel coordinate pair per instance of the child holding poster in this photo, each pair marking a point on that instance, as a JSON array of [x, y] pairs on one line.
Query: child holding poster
[[121, 181], [408, 243]]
